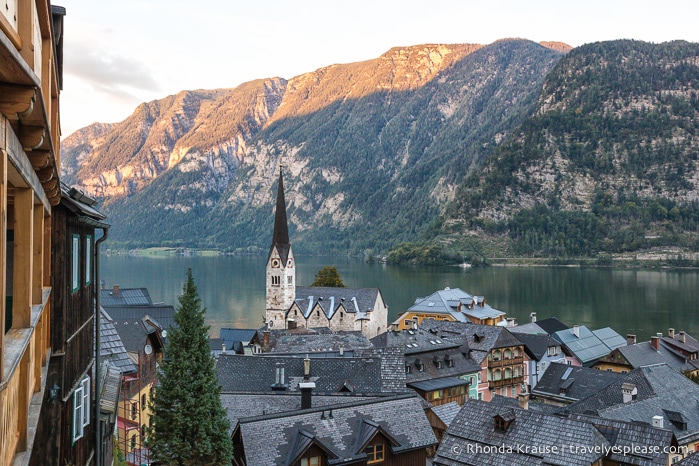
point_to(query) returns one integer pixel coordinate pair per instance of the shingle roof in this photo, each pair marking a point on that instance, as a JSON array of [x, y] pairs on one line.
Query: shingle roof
[[447, 412], [628, 436], [438, 384], [480, 338], [473, 430], [125, 297], [163, 313], [271, 440], [691, 460], [354, 300], [111, 346], [134, 333], [244, 405], [665, 393], [571, 383], [373, 374], [315, 342], [230, 335], [535, 345], [644, 354], [456, 303], [551, 325]]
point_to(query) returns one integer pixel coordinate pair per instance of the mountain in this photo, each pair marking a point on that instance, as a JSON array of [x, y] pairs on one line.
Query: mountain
[[373, 152], [606, 163]]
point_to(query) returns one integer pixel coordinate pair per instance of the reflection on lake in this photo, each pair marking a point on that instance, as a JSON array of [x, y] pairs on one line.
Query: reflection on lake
[[641, 302]]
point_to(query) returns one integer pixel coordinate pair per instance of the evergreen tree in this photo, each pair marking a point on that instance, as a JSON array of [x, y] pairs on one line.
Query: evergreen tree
[[190, 426], [328, 276]]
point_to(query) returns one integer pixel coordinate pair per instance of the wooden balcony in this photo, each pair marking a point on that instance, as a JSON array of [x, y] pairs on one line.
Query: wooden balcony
[[25, 354], [505, 362], [505, 382]]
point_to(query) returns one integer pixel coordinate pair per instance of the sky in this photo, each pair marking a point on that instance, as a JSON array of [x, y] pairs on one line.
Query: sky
[[118, 54]]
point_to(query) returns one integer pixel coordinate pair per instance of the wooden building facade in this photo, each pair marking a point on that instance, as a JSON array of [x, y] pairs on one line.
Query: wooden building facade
[[30, 74]]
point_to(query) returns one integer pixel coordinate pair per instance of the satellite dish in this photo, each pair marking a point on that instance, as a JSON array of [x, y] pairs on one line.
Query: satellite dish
[[164, 333], [148, 349]]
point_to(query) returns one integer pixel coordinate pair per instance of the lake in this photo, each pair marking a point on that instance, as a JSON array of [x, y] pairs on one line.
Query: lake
[[232, 288]]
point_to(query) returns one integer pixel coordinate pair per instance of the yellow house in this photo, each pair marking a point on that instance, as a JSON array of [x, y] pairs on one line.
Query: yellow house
[[450, 304], [30, 42]]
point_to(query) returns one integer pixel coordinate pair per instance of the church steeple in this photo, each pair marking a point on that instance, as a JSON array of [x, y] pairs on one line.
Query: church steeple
[[281, 273], [281, 229]]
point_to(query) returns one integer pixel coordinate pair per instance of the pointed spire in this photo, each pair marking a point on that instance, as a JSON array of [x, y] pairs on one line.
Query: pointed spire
[[281, 229]]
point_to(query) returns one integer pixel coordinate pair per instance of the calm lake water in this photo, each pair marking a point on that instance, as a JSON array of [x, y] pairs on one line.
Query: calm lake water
[[232, 288]]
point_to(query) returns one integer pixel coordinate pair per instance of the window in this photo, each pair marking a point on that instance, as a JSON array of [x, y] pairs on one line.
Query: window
[[276, 280], [310, 461], [552, 350], [407, 369], [500, 424], [134, 410], [290, 280], [496, 355], [508, 354], [76, 263], [375, 453], [81, 408], [143, 401], [88, 260], [133, 442]]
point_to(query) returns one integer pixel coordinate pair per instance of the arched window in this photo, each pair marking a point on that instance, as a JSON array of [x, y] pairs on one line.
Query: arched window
[[508, 373], [508, 354], [497, 375], [517, 353], [497, 355]]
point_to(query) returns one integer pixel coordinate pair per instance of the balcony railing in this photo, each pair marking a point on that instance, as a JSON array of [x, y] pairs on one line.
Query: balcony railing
[[25, 353], [505, 362], [504, 382]]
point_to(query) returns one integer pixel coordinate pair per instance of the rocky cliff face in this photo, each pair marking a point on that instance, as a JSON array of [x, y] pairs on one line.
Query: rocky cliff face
[[373, 151]]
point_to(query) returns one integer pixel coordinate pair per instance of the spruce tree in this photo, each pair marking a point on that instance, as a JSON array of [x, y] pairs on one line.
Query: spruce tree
[[190, 426]]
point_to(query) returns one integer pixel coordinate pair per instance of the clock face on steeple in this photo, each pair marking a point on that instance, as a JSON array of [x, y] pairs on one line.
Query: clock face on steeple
[[275, 262]]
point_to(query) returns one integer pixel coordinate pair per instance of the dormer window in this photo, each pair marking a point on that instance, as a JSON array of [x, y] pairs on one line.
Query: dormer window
[[501, 422], [437, 362], [407, 369], [375, 453], [310, 461]]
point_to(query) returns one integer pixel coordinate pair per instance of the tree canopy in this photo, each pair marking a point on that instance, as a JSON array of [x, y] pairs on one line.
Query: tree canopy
[[190, 427], [328, 276]]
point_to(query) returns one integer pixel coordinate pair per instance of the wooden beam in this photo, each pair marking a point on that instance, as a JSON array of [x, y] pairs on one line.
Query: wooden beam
[[40, 159], [38, 255], [16, 99], [3, 254], [23, 258], [20, 171], [31, 137]]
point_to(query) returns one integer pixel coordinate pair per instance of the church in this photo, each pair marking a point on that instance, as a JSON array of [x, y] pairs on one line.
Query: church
[[291, 306]]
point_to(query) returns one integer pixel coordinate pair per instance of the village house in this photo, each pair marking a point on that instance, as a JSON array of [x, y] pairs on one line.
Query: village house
[[562, 384], [386, 431], [542, 349], [657, 395], [440, 370], [584, 347], [451, 304], [67, 421], [488, 434], [291, 306], [499, 354], [655, 351], [142, 338]]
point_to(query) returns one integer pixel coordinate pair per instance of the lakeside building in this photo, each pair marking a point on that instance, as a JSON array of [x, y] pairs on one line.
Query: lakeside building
[[450, 304], [291, 306]]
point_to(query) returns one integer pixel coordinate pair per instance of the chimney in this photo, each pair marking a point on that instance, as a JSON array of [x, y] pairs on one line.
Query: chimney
[[657, 422], [523, 399], [342, 350], [532, 317], [291, 324], [265, 338], [630, 339], [655, 343], [682, 336], [576, 331], [115, 290], [671, 332], [223, 348], [306, 397], [306, 368], [629, 392], [511, 322], [659, 334]]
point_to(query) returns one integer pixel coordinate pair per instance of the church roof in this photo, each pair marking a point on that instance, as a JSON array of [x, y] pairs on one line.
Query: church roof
[[358, 301], [280, 238]]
